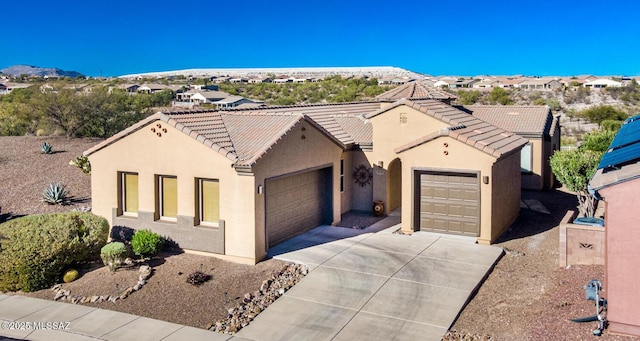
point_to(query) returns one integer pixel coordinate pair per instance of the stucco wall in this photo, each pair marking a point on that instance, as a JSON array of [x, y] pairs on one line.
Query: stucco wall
[[389, 133], [176, 154], [460, 157], [622, 249], [504, 181], [290, 155], [356, 197], [534, 180]]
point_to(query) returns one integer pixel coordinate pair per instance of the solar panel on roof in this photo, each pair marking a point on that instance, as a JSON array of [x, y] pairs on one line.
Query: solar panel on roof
[[625, 146]]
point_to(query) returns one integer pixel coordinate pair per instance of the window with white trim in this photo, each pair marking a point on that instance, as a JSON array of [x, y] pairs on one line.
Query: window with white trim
[[341, 175]]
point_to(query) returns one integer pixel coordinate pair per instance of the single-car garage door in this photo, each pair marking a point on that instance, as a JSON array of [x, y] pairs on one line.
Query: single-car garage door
[[297, 203], [448, 202]]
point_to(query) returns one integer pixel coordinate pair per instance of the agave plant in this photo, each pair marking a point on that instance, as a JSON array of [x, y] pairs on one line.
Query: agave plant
[[55, 194], [46, 148]]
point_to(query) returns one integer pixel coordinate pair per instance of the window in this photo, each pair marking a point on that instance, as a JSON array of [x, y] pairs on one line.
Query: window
[[208, 201], [342, 175], [525, 159], [403, 118], [168, 196], [129, 187]]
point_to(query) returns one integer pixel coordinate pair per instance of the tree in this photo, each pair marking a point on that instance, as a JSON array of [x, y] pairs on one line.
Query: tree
[[602, 112], [573, 168], [598, 140], [468, 97], [499, 95]]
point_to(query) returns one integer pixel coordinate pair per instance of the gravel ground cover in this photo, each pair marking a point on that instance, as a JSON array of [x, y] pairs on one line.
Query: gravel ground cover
[[526, 297]]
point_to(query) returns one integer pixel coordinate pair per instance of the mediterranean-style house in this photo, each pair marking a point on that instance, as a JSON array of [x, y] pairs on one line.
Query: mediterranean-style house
[[235, 183], [617, 183]]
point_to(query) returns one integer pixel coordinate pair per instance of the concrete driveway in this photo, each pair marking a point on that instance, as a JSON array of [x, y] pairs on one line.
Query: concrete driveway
[[374, 285]]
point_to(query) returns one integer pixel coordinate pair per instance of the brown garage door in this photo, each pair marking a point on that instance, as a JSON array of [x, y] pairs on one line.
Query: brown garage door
[[296, 204], [448, 202]]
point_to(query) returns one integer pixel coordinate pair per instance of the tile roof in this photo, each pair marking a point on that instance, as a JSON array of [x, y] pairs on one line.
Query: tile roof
[[242, 137], [415, 91], [464, 127], [531, 119], [335, 118]]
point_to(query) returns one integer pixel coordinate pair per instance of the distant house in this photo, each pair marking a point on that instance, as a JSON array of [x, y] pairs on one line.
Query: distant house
[[130, 88], [260, 80], [198, 97], [602, 83], [416, 91], [463, 83], [282, 80], [212, 87], [617, 182], [231, 102], [3, 89], [238, 80], [541, 84], [152, 88]]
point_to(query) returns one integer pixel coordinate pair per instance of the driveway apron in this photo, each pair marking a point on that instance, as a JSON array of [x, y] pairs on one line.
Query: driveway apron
[[374, 284]]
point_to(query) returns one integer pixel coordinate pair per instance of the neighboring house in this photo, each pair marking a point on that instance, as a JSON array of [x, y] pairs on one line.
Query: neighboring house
[[232, 102], [235, 183], [617, 182], [212, 87], [260, 80], [130, 88], [534, 123], [154, 88], [416, 91], [602, 83], [543, 84], [463, 83], [3, 89], [199, 97]]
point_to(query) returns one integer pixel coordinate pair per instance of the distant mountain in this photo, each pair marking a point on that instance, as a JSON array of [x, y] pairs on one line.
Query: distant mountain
[[17, 70]]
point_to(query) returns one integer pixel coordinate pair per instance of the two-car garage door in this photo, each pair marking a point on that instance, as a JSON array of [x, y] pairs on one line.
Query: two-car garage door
[[297, 203], [448, 202]]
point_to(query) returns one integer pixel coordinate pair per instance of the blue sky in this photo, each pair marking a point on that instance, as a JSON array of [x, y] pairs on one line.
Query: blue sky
[[115, 37]]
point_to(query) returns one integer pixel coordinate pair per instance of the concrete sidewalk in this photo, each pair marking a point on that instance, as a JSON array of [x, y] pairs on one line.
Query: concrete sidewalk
[[363, 284], [87, 323], [374, 286]]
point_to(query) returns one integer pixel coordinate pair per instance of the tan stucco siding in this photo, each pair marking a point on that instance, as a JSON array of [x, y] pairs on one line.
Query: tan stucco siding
[[176, 154], [355, 196], [459, 158], [389, 133], [299, 150], [504, 182], [534, 180]]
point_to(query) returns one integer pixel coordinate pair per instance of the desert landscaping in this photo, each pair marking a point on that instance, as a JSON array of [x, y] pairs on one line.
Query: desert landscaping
[[526, 296]]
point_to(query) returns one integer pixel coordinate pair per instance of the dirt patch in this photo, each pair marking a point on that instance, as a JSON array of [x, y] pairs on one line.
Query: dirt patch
[[527, 296], [26, 172]]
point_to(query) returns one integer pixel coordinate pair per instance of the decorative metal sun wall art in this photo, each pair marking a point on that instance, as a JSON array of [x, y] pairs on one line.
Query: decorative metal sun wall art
[[362, 175]]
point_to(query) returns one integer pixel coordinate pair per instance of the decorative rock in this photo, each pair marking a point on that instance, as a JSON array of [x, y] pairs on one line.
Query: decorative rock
[[94, 299], [137, 287], [58, 296], [145, 270], [251, 305]]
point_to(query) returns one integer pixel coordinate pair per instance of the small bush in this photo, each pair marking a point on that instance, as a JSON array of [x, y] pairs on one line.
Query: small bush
[[197, 278], [46, 148], [113, 255], [146, 243], [83, 163], [55, 194], [35, 250], [70, 276]]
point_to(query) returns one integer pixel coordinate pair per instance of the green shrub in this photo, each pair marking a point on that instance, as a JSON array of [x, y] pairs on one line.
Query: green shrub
[[146, 243], [83, 163], [70, 276], [35, 250], [113, 255], [46, 148], [55, 194]]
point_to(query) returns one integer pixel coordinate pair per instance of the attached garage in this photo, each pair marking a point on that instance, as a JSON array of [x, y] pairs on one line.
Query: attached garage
[[448, 202], [297, 203]]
